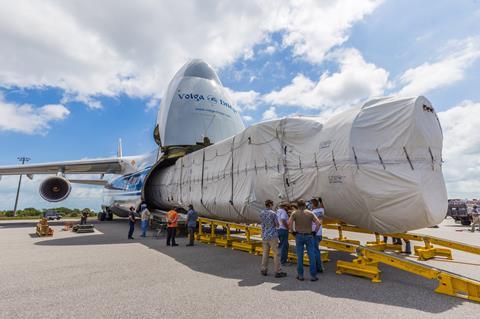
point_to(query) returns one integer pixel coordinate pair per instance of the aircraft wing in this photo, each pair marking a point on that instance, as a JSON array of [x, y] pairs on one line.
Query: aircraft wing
[[98, 182], [89, 166]]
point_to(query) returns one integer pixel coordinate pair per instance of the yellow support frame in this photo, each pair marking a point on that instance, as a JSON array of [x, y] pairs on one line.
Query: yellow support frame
[[426, 252], [368, 257]]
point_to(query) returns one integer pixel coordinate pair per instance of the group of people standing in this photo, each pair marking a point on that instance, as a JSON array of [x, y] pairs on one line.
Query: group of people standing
[[144, 217], [172, 223], [305, 225]]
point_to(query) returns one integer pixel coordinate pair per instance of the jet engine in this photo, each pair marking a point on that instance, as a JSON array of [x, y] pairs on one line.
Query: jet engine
[[55, 189]]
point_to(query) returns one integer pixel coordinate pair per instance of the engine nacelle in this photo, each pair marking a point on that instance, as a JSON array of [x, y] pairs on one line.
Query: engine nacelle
[[55, 189]]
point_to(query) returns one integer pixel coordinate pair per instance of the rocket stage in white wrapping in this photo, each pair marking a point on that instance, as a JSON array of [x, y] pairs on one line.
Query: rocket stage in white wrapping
[[377, 166]]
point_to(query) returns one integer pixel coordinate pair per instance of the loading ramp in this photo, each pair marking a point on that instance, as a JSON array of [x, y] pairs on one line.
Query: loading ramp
[[368, 257]]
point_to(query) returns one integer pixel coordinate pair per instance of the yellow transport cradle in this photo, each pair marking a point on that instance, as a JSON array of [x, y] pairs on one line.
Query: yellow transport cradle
[[247, 238]]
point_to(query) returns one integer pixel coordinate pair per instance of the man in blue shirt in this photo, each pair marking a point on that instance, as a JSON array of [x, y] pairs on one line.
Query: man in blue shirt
[[192, 217], [269, 223]]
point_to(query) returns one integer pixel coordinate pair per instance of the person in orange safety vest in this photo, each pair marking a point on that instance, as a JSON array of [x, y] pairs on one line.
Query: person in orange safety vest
[[172, 223]]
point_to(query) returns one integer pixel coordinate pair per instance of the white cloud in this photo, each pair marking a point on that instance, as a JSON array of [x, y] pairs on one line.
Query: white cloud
[[270, 49], [247, 118], [270, 114], [244, 100], [356, 80], [86, 99], [461, 151], [83, 49], [153, 103], [314, 27], [25, 118], [447, 70]]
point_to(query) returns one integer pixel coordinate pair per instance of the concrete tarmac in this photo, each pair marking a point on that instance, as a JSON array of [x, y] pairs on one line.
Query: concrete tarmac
[[104, 275]]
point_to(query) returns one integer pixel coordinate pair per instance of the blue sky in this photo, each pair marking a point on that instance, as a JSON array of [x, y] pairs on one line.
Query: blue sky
[[74, 79]]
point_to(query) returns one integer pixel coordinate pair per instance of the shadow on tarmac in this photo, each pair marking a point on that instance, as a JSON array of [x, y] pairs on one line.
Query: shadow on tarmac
[[458, 226], [399, 288]]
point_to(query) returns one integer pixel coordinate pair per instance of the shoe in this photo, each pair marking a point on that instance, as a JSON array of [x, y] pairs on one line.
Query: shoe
[[280, 274], [131, 238], [263, 272], [168, 244], [174, 244], [189, 245], [300, 278], [313, 279]]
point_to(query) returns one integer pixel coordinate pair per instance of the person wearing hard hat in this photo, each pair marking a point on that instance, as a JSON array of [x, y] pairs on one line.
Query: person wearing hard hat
[[172, 223]]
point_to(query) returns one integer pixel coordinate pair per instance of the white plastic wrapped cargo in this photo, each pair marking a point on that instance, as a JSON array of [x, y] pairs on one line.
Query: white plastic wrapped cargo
[[377, 166]]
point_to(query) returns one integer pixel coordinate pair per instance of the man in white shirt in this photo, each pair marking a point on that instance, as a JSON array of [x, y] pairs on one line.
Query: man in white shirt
[[282, 217], [318, 210], [145, 215]]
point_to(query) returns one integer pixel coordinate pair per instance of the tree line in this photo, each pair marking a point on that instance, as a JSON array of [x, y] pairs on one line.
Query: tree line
[[33, 212]]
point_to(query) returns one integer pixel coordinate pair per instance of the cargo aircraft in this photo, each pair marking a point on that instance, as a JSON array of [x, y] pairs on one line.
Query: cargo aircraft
[[377, 165], [195, 110]]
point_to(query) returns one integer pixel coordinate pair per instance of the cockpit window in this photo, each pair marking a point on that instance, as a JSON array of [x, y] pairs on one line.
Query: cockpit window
[[119, 183], [132, 182], [201, 69]]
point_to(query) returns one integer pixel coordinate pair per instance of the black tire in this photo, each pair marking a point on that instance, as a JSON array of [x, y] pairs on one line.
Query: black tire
[[466, 221]]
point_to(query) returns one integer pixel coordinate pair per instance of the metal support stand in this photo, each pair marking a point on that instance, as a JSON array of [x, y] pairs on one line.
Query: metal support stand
[[428, 251]]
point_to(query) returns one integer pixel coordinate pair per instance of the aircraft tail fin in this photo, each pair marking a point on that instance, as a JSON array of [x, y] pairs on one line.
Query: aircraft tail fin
[[119, 149]]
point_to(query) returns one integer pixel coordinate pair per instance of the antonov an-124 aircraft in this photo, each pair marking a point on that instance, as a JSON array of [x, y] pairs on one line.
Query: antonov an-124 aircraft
[[377, 165]]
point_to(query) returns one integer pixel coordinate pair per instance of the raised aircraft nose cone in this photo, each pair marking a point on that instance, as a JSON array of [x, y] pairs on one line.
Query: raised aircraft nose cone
[[196, 107]]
